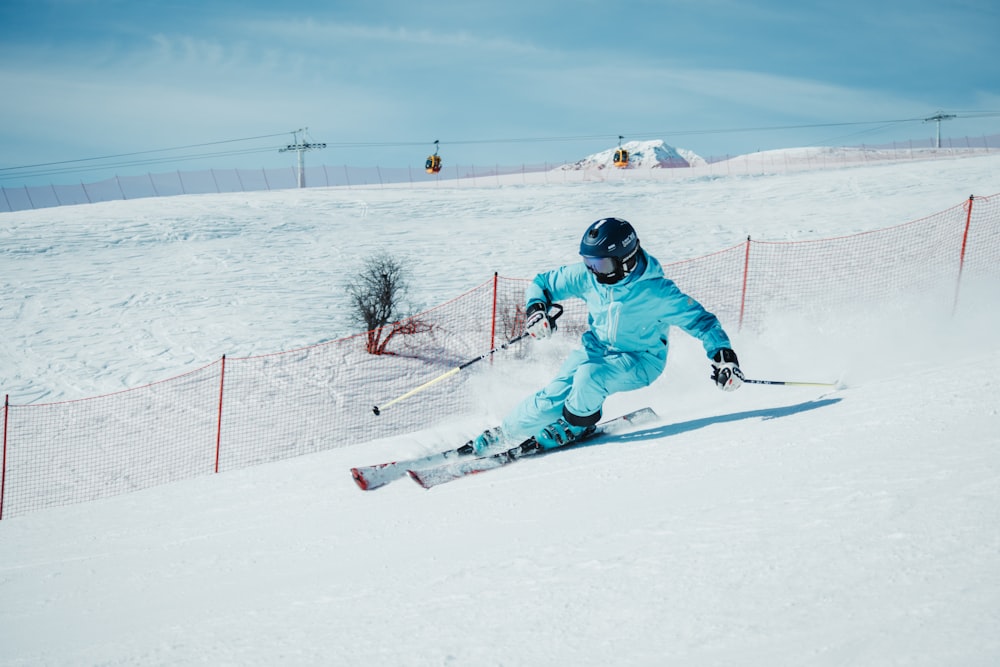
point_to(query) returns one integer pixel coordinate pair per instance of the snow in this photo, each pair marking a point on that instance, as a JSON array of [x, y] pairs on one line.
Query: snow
[[771, 526]]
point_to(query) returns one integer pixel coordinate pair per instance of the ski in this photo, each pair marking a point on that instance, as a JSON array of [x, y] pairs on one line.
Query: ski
[[430, 476], [377, 476]]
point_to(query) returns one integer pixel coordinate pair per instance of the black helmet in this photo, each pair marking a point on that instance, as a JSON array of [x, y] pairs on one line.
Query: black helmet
[[610, 249]]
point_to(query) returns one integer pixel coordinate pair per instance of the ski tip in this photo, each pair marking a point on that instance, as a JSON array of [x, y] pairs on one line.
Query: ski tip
[[415, 476], [359, 479]]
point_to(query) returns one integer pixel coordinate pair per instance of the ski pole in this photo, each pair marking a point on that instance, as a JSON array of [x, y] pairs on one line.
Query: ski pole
[[556, 310], [792, 384]]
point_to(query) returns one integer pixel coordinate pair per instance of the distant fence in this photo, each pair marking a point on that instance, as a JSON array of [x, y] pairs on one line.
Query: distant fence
[[238, 412], [255, 180]]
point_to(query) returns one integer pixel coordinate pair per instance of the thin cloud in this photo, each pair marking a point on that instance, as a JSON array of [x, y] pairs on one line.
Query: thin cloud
[[398, 73]]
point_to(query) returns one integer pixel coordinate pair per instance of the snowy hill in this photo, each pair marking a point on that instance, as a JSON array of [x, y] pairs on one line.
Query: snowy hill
[[654, 154], [772, 526]]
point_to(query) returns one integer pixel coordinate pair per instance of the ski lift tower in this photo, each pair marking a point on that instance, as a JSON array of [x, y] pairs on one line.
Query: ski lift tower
[[939, 117], [301, 147]]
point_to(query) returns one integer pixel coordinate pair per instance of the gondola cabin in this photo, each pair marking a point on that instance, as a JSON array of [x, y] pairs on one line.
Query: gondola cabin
[[621, 158], [433, 164]]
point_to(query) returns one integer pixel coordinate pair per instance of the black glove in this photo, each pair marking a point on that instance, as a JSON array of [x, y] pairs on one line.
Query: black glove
[[537, 320], [726, 370]]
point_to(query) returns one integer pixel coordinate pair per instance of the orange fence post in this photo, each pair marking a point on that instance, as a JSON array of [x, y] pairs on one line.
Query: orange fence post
[[3, 466], [743, 293], [961, 256], [493, 320], [218, 430]]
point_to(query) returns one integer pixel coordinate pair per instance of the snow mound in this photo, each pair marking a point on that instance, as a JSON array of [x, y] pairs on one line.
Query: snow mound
[[652, 154]]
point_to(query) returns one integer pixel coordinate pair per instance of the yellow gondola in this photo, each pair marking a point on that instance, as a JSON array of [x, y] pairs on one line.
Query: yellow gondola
[[621, 158], [433, 164], [621, 155]]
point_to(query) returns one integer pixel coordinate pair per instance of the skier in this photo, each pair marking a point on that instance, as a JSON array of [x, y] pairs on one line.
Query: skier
[[630, 306]]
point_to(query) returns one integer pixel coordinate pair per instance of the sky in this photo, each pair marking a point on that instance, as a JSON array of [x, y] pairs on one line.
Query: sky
[[507, 83], [769, 526]]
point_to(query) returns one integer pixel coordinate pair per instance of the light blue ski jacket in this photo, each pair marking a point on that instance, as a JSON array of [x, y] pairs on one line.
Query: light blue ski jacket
[[625, 346], [634, 315]]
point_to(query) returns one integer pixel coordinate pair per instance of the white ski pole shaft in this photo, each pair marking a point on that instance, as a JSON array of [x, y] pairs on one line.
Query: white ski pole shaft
[[791, 384], [556, 311], [378, 409]]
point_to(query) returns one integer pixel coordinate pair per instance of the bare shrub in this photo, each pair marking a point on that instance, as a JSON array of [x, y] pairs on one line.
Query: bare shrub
[[377, 293]]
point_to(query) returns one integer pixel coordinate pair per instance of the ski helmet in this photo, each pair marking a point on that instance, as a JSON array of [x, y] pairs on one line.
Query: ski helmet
[[610, 249]]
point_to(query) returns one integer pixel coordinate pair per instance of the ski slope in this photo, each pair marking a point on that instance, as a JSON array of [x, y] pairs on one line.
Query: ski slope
[[771, 526]]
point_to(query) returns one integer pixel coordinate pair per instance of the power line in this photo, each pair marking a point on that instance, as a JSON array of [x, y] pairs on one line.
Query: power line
[[77, 165], [138, 163], [146, 152], [595, 137], [670, 132]]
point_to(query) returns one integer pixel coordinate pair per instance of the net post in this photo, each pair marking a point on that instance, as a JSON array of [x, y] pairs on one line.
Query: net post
[[493, 319], [3, 465], [961, 256], [218, 427], [743, 291]]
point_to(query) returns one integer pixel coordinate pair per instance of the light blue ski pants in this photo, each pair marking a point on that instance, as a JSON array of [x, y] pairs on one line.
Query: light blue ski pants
[[585, 380]]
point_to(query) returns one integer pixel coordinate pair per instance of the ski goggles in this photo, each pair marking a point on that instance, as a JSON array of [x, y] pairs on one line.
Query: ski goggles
[[601, 265]]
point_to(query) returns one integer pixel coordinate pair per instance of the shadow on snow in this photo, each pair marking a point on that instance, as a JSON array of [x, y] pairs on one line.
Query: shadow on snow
[[658, 432]]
